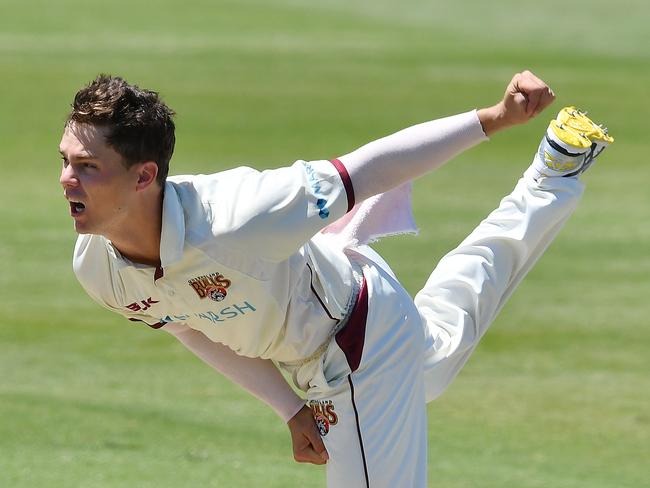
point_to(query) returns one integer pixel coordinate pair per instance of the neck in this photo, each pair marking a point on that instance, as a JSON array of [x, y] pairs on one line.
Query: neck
[[139, 239]]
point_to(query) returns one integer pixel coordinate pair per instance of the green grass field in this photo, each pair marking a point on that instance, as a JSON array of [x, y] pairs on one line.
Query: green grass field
[[558, 393]]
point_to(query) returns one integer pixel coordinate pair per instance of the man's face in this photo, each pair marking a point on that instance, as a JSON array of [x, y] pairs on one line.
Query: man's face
[[99, 188]]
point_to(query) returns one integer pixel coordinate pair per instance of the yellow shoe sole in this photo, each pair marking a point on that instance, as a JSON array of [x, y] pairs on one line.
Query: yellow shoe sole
[[573, 127]]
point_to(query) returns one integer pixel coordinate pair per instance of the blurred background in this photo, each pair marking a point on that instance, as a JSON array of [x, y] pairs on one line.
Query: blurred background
[[557, 395]]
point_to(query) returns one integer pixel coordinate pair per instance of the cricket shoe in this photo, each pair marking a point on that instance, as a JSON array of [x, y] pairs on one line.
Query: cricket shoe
[[571, 144]]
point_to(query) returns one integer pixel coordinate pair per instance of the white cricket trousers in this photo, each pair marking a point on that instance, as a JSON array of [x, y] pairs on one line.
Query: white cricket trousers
[[395, 354]]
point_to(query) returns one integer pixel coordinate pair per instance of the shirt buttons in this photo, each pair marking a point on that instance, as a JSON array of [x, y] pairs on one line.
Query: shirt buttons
[[171, 293]]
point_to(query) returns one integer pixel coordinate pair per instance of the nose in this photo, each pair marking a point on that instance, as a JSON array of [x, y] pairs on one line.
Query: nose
[[68, 178]]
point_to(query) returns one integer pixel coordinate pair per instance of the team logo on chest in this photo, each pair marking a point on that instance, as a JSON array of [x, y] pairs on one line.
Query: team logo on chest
[[214, 286]]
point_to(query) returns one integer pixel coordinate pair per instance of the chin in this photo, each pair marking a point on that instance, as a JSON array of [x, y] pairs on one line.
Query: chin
[[82, 228]]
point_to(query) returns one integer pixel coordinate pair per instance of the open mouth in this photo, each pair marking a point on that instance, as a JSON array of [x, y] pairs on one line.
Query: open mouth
[[77, 208]]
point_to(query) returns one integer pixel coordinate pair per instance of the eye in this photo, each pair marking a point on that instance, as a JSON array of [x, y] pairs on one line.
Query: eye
[[89, 166], [65, 161]]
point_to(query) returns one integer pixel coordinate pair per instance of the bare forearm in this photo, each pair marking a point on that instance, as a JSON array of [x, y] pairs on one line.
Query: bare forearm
[[492, 119]]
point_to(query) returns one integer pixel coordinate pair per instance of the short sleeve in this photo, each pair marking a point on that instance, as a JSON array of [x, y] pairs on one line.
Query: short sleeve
[[274, 212]]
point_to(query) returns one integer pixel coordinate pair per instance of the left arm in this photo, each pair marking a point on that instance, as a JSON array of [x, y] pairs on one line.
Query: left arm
[[388, 162], [289, 205]]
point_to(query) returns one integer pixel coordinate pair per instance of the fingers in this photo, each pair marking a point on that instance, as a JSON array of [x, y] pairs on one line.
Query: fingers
[[547, 98], [308, 447], [533, 87], [537, 93], [317, 444], [307, 451], [526, 96]]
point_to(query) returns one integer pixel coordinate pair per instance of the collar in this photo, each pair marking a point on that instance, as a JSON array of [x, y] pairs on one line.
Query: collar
[[172, 235], [114, 253]]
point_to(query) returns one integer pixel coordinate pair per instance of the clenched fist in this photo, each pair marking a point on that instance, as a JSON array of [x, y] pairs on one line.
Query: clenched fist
[[526, 96]]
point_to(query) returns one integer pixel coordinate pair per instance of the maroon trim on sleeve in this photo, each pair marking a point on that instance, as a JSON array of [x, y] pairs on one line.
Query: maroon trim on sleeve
[[347, 181], [154, 326], [351, 337]]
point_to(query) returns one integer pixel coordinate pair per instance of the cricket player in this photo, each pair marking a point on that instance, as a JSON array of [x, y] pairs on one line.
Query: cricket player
[[249, 271]]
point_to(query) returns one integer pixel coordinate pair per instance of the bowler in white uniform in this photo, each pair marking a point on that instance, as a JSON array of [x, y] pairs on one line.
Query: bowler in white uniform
[[251, 269]]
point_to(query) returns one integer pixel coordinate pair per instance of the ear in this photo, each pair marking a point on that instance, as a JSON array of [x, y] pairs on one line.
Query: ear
[[147, 173]]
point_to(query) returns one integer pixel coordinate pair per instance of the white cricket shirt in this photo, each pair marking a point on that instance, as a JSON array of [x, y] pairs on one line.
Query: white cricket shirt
[[240, 260]]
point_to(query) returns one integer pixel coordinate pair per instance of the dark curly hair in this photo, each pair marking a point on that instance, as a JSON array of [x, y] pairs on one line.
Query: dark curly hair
[[140, 124]]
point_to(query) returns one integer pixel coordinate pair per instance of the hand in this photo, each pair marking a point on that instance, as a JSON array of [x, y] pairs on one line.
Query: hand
[[308, 446], [525, 97]]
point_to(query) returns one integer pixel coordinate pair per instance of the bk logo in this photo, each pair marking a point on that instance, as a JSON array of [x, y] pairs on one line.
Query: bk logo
[[142, 305], [214, 286]]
